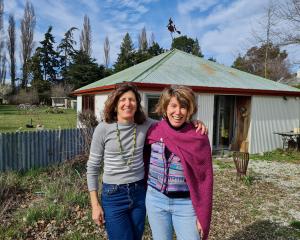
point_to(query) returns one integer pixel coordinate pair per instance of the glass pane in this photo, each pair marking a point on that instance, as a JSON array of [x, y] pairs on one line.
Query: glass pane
[[152, 101]]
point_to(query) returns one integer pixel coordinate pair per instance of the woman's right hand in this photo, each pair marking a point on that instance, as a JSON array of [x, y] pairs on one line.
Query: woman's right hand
[[98, 215]]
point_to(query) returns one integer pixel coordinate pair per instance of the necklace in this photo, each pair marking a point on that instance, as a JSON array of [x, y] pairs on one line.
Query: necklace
[[129, 161]]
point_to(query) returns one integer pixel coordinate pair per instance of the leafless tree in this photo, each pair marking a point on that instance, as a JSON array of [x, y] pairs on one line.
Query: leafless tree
[[27, 31], [152, 39], [86, 36], [266, 31], [143, 44], [2, 46], [106, 49], [289, 12], [11, 46]]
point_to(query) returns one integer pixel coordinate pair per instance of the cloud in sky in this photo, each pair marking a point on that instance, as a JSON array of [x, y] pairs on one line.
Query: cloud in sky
[[223, 27]]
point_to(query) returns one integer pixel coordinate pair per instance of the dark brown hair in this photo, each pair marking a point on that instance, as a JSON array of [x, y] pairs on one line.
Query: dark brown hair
[[184, 95], [110, 114]]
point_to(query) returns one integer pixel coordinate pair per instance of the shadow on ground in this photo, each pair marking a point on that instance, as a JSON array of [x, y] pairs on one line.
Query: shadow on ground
[[266, 230]]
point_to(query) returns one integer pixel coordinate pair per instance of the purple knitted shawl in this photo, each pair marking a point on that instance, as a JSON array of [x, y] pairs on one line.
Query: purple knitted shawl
[[195, 153]]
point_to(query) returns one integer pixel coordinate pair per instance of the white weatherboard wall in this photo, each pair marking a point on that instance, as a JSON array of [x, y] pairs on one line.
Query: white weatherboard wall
[[99, 105], [206, 112], [79, 108], [269, 115], [79, 104]]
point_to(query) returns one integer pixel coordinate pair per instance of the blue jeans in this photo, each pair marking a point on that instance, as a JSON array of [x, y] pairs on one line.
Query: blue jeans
[[166, 213], [124, 210]]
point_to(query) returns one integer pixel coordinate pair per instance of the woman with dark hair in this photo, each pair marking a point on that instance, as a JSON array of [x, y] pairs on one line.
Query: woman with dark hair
[[118, 144], [180, 179]]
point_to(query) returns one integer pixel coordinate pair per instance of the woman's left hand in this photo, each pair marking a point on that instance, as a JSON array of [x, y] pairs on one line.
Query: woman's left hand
[[199, 228], [200, 127]]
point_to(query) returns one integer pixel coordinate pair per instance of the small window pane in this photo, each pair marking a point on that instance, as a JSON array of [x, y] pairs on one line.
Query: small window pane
[[152, 101]]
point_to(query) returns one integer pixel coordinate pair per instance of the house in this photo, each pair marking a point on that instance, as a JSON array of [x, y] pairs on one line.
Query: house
[[242, 111]]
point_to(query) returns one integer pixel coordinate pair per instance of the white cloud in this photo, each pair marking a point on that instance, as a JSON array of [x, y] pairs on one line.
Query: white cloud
[[185, 7]]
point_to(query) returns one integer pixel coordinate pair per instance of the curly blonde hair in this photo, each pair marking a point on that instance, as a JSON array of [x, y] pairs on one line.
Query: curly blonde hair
[[184, 95]]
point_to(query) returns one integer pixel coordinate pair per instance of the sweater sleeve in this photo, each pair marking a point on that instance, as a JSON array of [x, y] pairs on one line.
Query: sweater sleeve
[[95, 158]]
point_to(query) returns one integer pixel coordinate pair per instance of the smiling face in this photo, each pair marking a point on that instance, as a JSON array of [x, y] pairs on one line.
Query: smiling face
[[126, 107], [176, 114]]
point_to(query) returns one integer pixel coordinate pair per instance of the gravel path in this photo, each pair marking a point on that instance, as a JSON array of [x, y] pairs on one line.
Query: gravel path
[[286, 176]]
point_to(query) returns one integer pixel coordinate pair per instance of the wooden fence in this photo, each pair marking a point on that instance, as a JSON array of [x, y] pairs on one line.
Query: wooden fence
[[26, 150]]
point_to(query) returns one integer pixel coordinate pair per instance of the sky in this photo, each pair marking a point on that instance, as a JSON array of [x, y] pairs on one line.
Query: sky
[[224, 28]]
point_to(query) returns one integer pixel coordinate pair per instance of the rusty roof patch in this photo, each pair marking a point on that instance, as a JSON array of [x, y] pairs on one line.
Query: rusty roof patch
[[208, 69]]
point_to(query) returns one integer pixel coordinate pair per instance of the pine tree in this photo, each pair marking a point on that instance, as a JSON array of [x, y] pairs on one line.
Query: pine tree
[[83, 70], [48, 57], [126, 56], [155, 49], [66, 50], [196, 50]]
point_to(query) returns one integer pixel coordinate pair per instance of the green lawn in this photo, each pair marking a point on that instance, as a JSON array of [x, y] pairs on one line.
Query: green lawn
[[12, 119]]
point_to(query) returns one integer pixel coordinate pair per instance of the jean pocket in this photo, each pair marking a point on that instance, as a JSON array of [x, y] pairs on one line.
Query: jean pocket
[[109, 189]]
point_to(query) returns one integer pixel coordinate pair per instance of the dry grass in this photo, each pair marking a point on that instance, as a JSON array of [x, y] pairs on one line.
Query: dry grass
[[53, 203]]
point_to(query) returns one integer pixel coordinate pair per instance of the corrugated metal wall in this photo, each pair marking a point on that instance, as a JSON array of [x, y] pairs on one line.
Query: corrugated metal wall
[[269, 115], [25, 150], [206, 112]]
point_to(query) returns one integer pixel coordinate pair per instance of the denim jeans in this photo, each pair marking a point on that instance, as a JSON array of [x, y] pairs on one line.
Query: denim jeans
[[124, 210], [166, 214]]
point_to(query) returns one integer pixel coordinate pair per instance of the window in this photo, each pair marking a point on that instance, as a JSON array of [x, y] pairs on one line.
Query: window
[[152, 100], [88, 103]]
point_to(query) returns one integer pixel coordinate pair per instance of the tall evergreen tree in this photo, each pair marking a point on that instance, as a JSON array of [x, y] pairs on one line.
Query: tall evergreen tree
[[155, 49], [196, 50], [11, 45], [126, 56], [66, 48], [27, 31], [35, 74], [48, 57], [83, 70]]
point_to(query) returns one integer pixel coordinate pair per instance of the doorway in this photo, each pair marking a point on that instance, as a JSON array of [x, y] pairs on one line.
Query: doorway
[[231, 122]]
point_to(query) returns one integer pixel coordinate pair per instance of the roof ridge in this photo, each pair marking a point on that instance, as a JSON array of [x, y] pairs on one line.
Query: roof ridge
[[165, 58]]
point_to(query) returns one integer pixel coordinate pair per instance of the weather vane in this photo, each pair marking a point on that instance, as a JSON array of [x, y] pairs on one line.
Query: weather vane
[[172, 28]]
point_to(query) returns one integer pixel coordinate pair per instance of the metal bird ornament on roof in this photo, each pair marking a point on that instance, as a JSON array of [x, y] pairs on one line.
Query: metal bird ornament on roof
[[172, 28]]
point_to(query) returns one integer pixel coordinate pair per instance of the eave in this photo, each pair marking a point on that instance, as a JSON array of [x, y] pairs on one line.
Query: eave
[[197, 89]]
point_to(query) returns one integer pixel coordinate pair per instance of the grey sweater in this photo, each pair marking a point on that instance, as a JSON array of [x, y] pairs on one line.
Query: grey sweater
[[105, 150]]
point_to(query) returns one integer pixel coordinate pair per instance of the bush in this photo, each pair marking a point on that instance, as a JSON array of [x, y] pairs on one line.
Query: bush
[[55, 110], [25, 96], [88, 122]]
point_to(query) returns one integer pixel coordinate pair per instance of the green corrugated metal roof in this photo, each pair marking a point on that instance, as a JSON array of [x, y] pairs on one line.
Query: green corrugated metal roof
[[178, 67]]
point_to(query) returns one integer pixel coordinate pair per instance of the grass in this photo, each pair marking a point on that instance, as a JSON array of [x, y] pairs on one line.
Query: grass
[[278, 155], [12, 119], [53, 203]]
